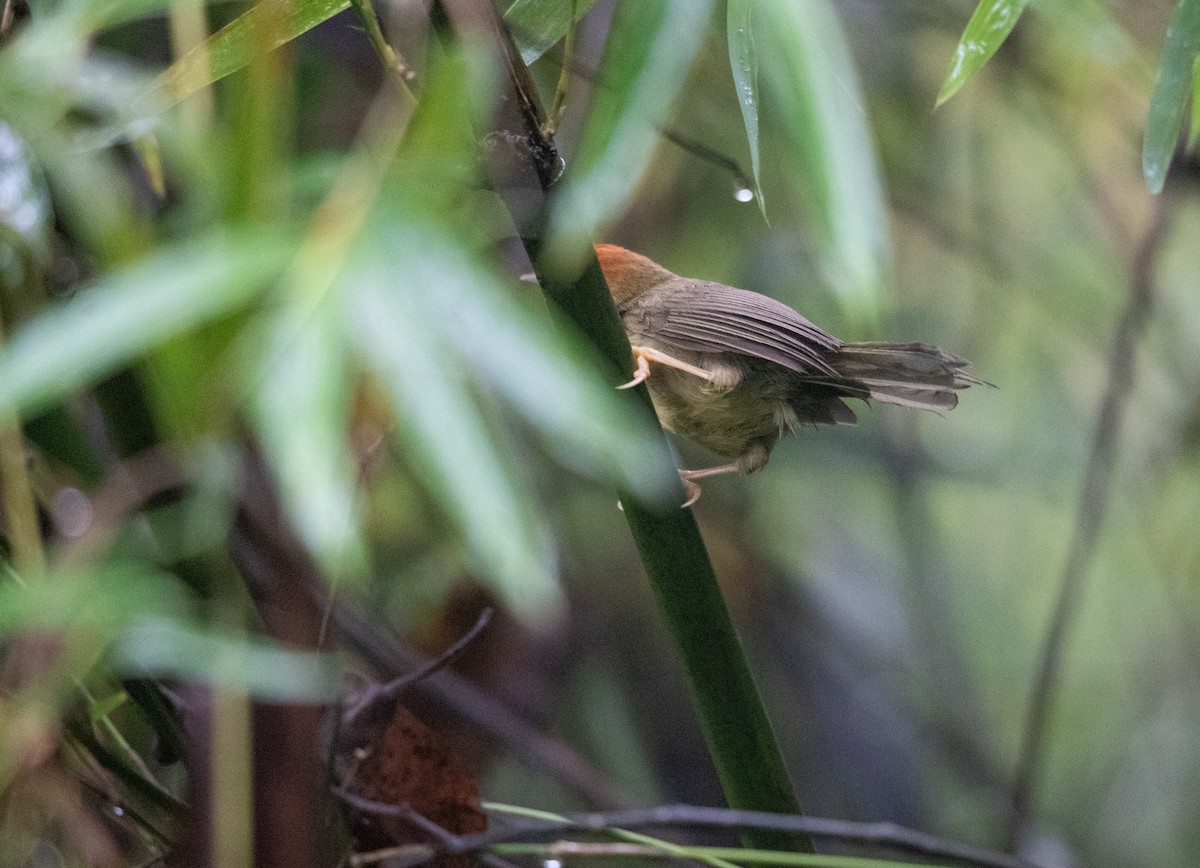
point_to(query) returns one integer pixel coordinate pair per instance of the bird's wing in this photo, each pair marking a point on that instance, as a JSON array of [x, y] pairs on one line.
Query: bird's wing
[[712, 318]]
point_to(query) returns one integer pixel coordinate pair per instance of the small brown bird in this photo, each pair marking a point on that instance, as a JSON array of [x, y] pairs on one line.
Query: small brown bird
[[736, 370]]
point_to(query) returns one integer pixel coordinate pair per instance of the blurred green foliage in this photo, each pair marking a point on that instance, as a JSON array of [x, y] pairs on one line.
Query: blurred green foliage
[[304, 257]]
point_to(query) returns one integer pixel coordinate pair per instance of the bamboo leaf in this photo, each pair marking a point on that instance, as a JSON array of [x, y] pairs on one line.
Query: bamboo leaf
[[536, 25], [1176, 77], [743, 60], [808, 69], [301, 413], [257, 666], [126, 313], [986, 31], [650, 49], [234, 45], [1194, 132], [440, 426]]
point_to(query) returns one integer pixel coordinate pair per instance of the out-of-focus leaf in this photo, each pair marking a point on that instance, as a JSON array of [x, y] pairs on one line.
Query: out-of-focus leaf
[[24, 201], [442, 430], [234, 45], [650, 49], [1194, 133], [65, 107], [811, 79], [127, 313], [541, 373], [101, 602], [536, 25], [743, 60], [1092, 26], [301, 413], [1176, 72], [986, 31], [256, 666]]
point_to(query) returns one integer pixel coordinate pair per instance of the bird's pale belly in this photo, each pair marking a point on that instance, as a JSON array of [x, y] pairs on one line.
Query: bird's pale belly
[[744, 419]]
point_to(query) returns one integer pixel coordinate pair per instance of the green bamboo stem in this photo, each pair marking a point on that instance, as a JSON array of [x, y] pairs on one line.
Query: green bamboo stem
[[732, 716]]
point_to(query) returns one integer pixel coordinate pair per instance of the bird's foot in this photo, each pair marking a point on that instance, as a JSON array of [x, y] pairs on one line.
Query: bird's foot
[[692, 488], [643, 356]]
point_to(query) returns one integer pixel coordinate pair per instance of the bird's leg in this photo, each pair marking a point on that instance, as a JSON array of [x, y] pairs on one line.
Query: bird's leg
[[645, 355], [692, 487]]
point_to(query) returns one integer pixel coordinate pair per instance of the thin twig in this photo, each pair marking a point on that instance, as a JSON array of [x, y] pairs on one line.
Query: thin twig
[[375, 705], [467, 701], [555, 115], [1090, 514], [696, 817], [708, 154]]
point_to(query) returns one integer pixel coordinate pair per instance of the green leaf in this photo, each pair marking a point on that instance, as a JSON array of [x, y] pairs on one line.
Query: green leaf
[[812, 81], [24, 199], [650, 49], [1194, 132], [1176, 76], [441, 427], [544, 376], [1091, 25], [102, 602], [126, 313], [237, 43], [259, 667], [301, 412], [536, 25], [743, 60], [989, 26]]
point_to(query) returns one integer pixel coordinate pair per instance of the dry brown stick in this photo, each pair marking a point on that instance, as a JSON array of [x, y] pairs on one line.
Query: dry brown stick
[[882, 834], [1090, 514]]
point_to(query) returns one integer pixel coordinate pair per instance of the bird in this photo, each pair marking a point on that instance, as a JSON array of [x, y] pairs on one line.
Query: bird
[[735, 370]]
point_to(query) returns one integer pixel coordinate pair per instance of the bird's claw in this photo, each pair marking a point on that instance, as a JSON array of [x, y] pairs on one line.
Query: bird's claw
[[641, 375], [692, 489], [645, 355]]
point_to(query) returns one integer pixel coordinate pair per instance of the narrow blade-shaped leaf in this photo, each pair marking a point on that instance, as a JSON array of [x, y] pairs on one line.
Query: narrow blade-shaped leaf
[[743, 61], [126, 313], [536, 25], [257, 666], [986, 31], [542, 374], [650, 49], [234, 45], [1176, 72], [809, 73], [1194, 132], [441, 428], [301, 413]]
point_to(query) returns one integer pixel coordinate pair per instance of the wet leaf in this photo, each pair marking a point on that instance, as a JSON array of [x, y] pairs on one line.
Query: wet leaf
[[1176, 81], [743, 60], [986, 31]]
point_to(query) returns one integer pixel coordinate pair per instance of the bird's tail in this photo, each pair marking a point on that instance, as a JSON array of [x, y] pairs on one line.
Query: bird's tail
[[910, 375]]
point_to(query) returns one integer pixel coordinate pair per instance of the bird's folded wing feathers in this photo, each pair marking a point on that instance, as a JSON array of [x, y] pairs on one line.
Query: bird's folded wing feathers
[[721, 319]]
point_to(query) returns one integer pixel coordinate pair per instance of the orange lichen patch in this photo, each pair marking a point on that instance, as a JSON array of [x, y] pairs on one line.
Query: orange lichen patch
[[415, 766]]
